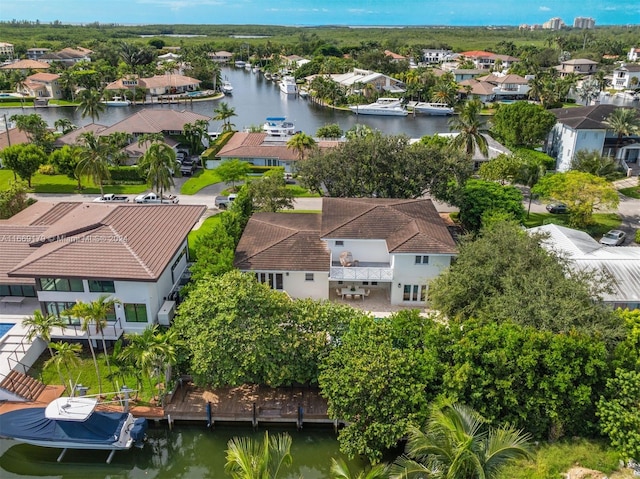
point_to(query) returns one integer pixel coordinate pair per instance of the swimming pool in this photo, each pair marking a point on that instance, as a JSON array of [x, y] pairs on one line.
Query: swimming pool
[[5, 327], [6, 95]]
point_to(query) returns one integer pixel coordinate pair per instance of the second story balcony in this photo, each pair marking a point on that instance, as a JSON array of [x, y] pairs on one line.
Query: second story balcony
[[361, 271]]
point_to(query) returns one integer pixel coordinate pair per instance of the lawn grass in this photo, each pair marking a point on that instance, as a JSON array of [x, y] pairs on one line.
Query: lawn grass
[[62, 184], [300, 192], [633, 192], [554, 459], [199, 180], [205, 228], [85, 374], [602, 222]]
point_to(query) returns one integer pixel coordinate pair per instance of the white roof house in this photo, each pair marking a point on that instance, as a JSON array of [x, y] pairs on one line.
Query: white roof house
[[621, 263], [358, 76]]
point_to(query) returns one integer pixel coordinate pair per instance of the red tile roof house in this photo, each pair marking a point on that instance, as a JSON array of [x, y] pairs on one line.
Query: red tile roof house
[[65, 252], [392, 247], [42, 85], [262, 150], [157, 85]]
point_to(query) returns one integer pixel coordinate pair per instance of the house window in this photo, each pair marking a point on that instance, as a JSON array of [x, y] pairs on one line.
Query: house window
[[339, 243], [99, 286], [308, 276], [58, 308], [61, 284], [421, 259], [135, 313], [17, 290], [367, 283], [415, 293], [274, 280]]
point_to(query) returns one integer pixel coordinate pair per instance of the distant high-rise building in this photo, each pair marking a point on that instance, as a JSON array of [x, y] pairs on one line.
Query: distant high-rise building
[[584, 22], [556, 23]]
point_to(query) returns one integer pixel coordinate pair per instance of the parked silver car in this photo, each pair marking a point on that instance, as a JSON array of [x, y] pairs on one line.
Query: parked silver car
[[613, 238]]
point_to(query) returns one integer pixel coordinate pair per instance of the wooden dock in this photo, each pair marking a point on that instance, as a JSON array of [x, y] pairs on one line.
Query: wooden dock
[[250, 404]]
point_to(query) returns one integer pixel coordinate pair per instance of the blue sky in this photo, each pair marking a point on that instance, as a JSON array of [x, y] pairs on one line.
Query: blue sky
[[321, 12]]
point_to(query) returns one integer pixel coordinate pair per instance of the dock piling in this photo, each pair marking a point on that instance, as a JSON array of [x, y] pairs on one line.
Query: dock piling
[[254, 420]]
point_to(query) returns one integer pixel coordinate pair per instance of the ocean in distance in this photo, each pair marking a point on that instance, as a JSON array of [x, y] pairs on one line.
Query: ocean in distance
[[325, 12]]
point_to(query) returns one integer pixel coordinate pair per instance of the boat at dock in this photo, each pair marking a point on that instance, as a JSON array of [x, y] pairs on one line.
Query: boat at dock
[[74, 423], [240, 63], [288, 85], [117, 101], [226, 87], [382, 107], [278, 126], [431, 108]]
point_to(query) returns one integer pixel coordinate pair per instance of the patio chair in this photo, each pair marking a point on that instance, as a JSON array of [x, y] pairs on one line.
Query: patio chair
[[348, 296], [338, 292], [356, 296], [367, 292]]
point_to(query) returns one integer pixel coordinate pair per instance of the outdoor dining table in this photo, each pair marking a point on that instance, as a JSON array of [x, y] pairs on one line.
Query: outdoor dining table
[[353, 292]]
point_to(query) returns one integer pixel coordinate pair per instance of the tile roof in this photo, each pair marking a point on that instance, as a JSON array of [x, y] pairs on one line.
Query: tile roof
[[14, 137], [259, 145], [88, 240], [26, 65], [586, 117], [73, 137], [282, 242], [157, 81], [43, 77], [408, 226], [149, 120]]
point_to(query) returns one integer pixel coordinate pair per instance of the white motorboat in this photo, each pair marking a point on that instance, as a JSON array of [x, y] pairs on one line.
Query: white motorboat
[[288, 85], [437, 109], [117, 101], [74, 423], [240, 63], [279, 126], [226, 87], [382, 107]]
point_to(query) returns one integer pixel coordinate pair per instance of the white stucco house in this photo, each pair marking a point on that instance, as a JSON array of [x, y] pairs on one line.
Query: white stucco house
[[583, 128], [68, 252], [626, 77], [358, 77], [621, 264], [392, 247]]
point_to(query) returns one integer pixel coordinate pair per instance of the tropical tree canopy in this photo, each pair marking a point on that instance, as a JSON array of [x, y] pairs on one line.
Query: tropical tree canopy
[[91, 104], [159, 163], [248, 458], [522, 124], [470, 129]]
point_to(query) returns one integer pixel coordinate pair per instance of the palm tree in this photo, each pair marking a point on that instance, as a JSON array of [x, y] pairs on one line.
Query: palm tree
[[98, 311], [67, 356], [94, 159], [40, 326], [251, 459], [64, 125], [301, 142], [457, 445], [159, 162], [223, 114], [623, 122], [91, 104], [470, 129], [340, 470], [81, 311]]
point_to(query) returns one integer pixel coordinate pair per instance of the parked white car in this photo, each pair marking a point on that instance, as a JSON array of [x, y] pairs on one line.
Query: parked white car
[[613, 238]]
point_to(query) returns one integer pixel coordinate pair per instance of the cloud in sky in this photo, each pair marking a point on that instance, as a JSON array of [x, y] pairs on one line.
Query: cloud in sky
[[544, 9]]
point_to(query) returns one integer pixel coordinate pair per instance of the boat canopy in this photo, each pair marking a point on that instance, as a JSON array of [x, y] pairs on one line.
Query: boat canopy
[[71, 408], [31, 424], [276, 118]]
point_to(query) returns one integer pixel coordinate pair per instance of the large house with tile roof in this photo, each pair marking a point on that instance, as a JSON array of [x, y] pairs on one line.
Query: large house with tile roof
[[157, 85], [583, 128], [488, 60], [578, 66], [67, 252], [393, 247], [26, 66], [42, 85]]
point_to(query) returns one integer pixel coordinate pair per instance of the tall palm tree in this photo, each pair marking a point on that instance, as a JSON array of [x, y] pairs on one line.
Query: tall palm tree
[[340, 470], [98, 311], [252, 459], [91, 104], [470, 129], [623, 122], [67, 355], [40, 326], [301, 142], [457, 445], [223, 114], [159, 162], [94, 159], [81, 311]]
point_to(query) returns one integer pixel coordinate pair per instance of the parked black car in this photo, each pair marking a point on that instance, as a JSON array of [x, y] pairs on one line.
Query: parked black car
[[557, 208]]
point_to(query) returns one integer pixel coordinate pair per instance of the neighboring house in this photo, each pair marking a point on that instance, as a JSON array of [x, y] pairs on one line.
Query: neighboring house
[[579, 66], [68, 252], [36, 53], [621, 264], [494, 150], [489, 61], [293, 62], [634, 54], [42, 85], [9, 137], [626, 77], [25, 66], [67, 56], [583, 128], [73, 137], [157, 85], [262, 150], [435, 55], [220, 57], [509, 86], [168, 57], [358, 78], [483, 91], [393, 247], [395, 57], [6, 50], [462, 74]]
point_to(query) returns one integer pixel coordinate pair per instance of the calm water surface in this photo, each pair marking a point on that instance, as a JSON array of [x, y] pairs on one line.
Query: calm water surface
[[186, 452]]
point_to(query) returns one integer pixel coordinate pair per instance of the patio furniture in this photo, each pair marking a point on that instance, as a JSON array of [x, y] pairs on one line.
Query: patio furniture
[[356, 296], [338, 292], [367, 292], [348, 296], [346, 259]]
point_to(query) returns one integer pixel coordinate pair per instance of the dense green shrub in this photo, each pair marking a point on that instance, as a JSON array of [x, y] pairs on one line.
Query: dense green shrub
[[637, 238], [129, 174], [212, 151]]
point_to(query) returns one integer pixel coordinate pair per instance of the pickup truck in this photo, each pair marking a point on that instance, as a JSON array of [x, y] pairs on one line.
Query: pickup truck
[[223, 202], [111, 198], [153, 198]]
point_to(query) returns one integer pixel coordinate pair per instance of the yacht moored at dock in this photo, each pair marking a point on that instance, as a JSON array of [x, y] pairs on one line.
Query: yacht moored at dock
[[288, 85], [382, 107], [431, 108], [278, 126]]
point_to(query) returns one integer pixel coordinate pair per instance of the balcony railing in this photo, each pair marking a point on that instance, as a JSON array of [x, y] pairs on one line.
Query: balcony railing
[[361, 273], [112, 331]]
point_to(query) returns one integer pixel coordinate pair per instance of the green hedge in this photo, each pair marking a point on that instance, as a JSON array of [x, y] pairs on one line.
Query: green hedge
[[129, 174], [211, 152]]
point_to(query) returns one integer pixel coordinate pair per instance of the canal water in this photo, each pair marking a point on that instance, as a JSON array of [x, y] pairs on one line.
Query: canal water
[[188, 451]]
